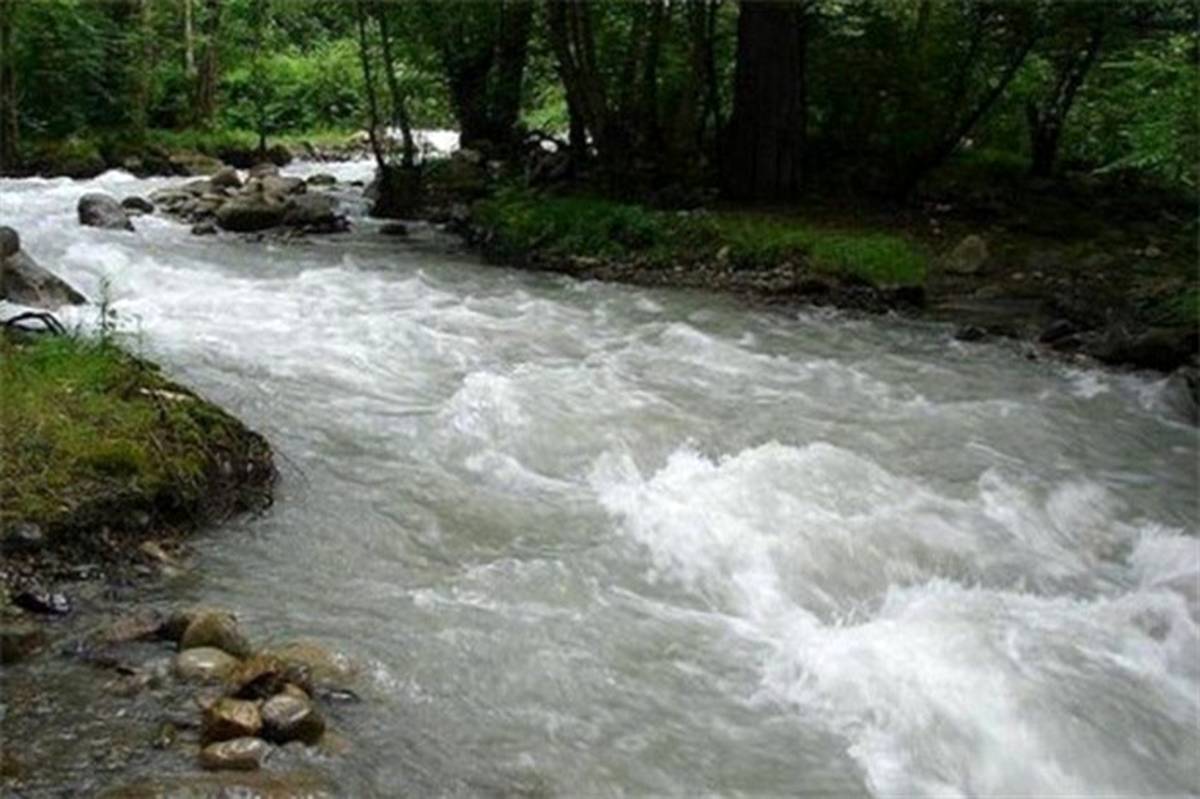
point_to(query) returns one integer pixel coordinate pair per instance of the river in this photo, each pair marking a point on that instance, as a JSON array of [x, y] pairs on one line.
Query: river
[[594, 540]]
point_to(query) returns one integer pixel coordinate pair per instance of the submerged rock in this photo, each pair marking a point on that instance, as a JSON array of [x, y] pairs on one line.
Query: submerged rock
[[102, 211], [314, 212], [322, 179], [137, 205], [231, 718], [263, 169], [291, 716], [218, 629], [46, 603], [204, 664], [238, 754], [19, 641]]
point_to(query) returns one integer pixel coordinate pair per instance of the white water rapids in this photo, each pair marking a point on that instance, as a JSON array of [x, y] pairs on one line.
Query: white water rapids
[[595, 540]]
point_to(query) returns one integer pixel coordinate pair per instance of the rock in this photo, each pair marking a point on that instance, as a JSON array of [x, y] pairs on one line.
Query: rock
[[968, 257], [197, 188], [190, 163], [217, 629], [140, 625], [204, 664], [316, 212], [24, 282], [230, 718], [1160, 349], [137, 205], [102, 211], [279, 155], [1056, 331], [19, 641], [288, 717], [248, 214], [398, 229], [24, 537], [321, 179], [1183, 392], [316, 660], [280, 186], [10, 242], [265, 675], [206, 228], [263, 169], [45, 603], [269, 784], [226, 178], [970, 333], [238, 754]]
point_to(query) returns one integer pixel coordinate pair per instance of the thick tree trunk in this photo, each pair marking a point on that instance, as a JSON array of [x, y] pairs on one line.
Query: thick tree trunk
[[145, 55], [765, 141], [189, 40], [512, 54], [8, 88]]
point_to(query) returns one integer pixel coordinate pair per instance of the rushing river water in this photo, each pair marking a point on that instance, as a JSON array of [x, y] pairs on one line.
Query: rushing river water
[[594, 540]]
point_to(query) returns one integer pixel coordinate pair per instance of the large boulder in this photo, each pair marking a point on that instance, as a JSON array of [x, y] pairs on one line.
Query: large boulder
[[314, 212], [24, 282], [263, 169], [1161, 349], [103, 211], [246, 214], [226, 178], [217, 629]]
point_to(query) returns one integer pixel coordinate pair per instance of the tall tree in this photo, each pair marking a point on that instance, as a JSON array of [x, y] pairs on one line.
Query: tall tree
[[209, 73], [765, 143], [8, 87]]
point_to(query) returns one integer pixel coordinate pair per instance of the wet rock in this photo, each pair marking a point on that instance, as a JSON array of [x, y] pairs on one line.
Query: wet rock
[[231, 718], [19, 641], [207, 228], [290, 717], [314, 212], [204, 664], [263, 169], [322, 179], [102, 211], [238, 754], [137, 205], [140, 625], [228, 785], [45, 603], [197, 188], [970, 333], [217, 629], [1160, 349], [969, 256], [226, 178], [279, 186], [1056, 331], [1183, 392], [249, 214], [321, 664], [24, 537], [398, 229], [25, 282], [10, 242], [264, 675], [189, 163]]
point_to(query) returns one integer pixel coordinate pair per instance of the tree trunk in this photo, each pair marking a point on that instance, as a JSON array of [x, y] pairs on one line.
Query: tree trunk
[[144, 54], [8, 88], [209, 73], [512, 54], [765, 142], [364, 52], [399, 103], [189, 40], [1046, 121]]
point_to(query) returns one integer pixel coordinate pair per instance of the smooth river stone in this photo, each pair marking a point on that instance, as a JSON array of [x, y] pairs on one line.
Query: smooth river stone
[[238, 754], [204, 664]]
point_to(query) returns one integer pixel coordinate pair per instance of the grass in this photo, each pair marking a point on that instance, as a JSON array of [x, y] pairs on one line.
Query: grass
[[523, 222], [85, 425]]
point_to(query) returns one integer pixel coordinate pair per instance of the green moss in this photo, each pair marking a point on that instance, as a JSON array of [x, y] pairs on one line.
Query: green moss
[[83, 423], [522, 222]]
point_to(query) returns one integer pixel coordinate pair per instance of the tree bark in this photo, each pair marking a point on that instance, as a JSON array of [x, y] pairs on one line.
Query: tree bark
[[765, 143], [8, 88], [209, 72], [189, 40], [1046, 121], [399, 103]]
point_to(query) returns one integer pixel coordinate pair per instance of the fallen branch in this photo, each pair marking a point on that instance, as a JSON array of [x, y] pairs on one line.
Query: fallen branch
[[49, 322]]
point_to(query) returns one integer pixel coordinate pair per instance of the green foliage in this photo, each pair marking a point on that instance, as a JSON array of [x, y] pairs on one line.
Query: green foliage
[[83, 422], [591, 227]]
